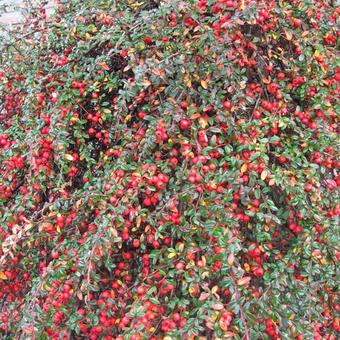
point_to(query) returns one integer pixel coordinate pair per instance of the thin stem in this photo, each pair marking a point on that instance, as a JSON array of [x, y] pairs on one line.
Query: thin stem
[[243, 318]]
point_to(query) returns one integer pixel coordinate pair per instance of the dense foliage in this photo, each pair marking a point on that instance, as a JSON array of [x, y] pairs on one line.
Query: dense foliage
[[169, 171]]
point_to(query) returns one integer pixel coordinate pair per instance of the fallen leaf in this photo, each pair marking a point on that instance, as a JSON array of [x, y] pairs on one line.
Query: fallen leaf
[[203, 123], [113, 232], [214, 289], [223, 324], [46, 226], [231, 259], [203, 296], [209, 325], [244, 168], [103, 65], [69, 157], [289, 35], [264, 174], [218, 306], [267, 80], [194, 116], [146, 83], [244, 281], [204, 84]]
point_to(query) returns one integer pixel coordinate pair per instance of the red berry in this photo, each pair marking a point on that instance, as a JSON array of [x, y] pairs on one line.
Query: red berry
[[136, 243], [227, 105], [184, 105], [184, 124], [258, 271], [148, 40], [308, 187]]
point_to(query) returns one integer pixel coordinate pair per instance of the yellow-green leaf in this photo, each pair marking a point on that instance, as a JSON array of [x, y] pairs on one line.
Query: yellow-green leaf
[[172, 255], [244, 168]]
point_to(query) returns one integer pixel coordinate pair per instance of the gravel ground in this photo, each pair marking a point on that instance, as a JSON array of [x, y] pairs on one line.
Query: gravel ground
[[13, 15]]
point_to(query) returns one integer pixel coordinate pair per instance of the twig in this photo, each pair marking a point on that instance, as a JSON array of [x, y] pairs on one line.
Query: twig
[[243, 319]]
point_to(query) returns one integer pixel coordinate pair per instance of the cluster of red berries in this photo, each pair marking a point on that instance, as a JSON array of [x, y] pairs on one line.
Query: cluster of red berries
[[271, 329], [158, 181], [296, 228]]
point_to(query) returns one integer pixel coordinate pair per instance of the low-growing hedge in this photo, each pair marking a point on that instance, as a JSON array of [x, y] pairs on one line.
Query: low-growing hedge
[[169, 170]]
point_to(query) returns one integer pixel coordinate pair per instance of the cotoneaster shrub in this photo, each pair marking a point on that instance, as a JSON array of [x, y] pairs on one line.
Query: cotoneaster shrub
[[170, 170]]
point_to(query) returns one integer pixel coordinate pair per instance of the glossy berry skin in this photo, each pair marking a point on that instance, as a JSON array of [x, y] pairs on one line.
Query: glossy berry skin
[[184, 124], [169, 170]]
